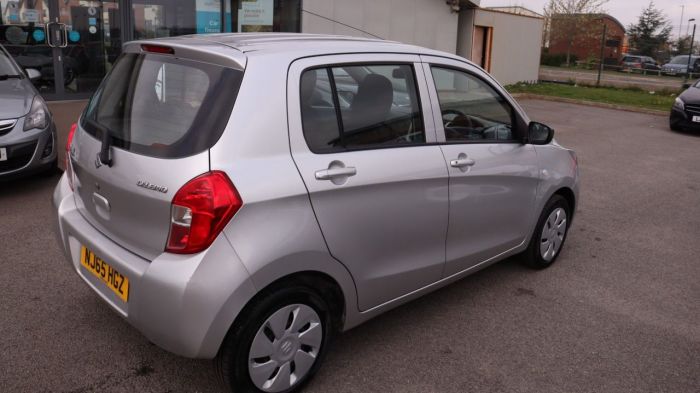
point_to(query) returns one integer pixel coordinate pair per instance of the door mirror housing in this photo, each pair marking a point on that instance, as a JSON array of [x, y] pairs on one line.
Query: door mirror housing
[[539, 134], [33, 74], [686, 86]]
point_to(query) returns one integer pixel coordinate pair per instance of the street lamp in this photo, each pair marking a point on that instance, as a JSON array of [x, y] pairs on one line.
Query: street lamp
[[690, 53]]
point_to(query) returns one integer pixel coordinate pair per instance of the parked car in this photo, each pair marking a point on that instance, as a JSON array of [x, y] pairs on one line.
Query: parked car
[[638, 63], [679, 65], [685, 114], [229, 206], [27, 132]]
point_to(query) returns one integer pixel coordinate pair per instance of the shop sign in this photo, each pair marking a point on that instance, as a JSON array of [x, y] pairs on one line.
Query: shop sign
[[30, 16], [12, 12], [208, 16], [256, 15]]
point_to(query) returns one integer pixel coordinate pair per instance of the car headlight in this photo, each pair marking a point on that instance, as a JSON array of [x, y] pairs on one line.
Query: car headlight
[[679, 104], [38, 116]]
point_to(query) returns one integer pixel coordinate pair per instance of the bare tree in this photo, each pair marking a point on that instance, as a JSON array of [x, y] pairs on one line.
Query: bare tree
[[570, 20]]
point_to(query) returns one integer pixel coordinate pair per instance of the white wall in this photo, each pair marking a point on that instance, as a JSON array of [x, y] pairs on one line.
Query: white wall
[[516, 46], [465, 32], [428, 23]]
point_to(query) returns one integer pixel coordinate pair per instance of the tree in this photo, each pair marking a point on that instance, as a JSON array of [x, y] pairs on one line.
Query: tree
[[651, 33], [572, 20]]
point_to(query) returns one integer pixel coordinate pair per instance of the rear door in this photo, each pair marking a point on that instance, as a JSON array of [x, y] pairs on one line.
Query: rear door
[[493, 174], [152, 115], [361, 131]]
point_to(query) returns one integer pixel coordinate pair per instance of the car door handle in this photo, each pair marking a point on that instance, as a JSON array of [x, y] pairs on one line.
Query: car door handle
[[462, 162], [328, 174]]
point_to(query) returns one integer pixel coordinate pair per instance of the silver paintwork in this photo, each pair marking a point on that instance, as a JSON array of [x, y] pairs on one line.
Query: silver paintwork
[[16, 97], [279, 362], [553, 234], [386, 225]]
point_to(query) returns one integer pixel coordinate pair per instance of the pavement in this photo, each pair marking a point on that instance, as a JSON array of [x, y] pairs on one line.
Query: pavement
[[612, 78], [618, 312]]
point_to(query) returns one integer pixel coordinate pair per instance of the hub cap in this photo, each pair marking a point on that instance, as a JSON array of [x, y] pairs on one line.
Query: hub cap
[[553, 234], [285, 348]]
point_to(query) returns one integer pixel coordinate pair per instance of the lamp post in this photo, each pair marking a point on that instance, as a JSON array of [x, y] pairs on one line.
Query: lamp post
[[690, 53]]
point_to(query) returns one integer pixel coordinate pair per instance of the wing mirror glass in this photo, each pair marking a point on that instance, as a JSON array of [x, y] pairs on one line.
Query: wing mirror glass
[[539, 134], [33, 74]]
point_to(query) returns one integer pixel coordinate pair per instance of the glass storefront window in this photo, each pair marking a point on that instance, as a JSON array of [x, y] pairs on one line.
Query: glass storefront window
[[267, 15], [92, 31], [23, 34], [167, 18], [74, 43]]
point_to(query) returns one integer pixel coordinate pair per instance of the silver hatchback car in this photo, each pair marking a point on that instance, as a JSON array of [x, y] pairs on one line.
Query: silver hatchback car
[[245, 197]]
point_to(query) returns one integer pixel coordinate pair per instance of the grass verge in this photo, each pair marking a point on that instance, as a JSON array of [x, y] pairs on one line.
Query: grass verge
[[658, 100]]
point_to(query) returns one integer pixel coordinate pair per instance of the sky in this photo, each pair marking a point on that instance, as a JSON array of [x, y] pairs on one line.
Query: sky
[[626, 11]]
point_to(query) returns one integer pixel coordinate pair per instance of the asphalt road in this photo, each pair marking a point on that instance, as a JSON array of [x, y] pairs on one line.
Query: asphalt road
[[619, 312], [612, 78]]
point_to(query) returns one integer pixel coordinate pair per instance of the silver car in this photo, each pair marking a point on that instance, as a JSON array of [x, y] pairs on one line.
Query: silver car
[[27, 132], [246, 197]]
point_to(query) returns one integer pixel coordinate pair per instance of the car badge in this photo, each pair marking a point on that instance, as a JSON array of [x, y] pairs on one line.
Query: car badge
[[151, 186]]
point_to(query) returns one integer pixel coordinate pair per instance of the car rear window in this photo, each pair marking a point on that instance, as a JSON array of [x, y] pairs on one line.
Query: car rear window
[[163, 106]]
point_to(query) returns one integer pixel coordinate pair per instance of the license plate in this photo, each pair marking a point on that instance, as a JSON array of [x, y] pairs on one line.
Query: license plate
[[116, 281], [696, 119], [3, 154]]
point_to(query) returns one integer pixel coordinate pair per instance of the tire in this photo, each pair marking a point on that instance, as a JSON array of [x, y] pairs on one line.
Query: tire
[[236, 359], [542, 254], [674, 126]]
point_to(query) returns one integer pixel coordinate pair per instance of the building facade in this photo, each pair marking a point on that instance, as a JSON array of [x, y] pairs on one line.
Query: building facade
[[506, 44], [74, 43], [582, 36]]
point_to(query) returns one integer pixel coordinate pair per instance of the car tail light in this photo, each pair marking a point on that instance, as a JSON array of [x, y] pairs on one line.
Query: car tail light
[[199, 212], [69, 142]]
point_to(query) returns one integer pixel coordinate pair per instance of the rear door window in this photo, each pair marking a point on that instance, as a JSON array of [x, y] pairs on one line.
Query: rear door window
[[162, 106], [352, 107]]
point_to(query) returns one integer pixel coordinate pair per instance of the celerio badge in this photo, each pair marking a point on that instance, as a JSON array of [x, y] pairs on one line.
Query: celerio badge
[[150, 186]]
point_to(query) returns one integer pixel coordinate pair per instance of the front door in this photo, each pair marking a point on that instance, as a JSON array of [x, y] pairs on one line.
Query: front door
[[365, 148], [493, 175], [72, 43]]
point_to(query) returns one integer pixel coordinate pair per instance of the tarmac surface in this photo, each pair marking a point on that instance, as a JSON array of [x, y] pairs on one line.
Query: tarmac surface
[[618, 312]]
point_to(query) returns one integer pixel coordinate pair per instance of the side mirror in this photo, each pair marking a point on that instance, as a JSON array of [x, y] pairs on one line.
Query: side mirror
[[33, 74], [686, 86], [539, 134]]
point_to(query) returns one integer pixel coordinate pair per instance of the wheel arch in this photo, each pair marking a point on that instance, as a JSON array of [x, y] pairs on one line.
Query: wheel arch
[[320, 282], [568, 194]]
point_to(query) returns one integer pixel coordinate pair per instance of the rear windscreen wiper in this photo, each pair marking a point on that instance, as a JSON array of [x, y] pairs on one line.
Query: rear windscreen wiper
[[8, 76], [105, 155]]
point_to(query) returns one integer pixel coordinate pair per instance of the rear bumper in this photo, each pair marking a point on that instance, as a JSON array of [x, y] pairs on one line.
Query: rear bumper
[[185, 304], [682, 120]]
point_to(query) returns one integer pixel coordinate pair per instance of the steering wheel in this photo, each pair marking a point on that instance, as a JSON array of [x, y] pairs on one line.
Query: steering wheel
[[455, 112]]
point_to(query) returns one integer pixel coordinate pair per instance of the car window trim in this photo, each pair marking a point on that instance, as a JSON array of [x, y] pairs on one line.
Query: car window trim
[[336, 106], [513, 118], [329, 69]]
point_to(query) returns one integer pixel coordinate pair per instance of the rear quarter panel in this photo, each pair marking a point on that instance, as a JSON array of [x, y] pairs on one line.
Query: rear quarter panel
[[275, 233]]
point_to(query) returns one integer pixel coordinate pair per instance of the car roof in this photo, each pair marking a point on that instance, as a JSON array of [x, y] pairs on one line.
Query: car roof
[[297, 45]]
